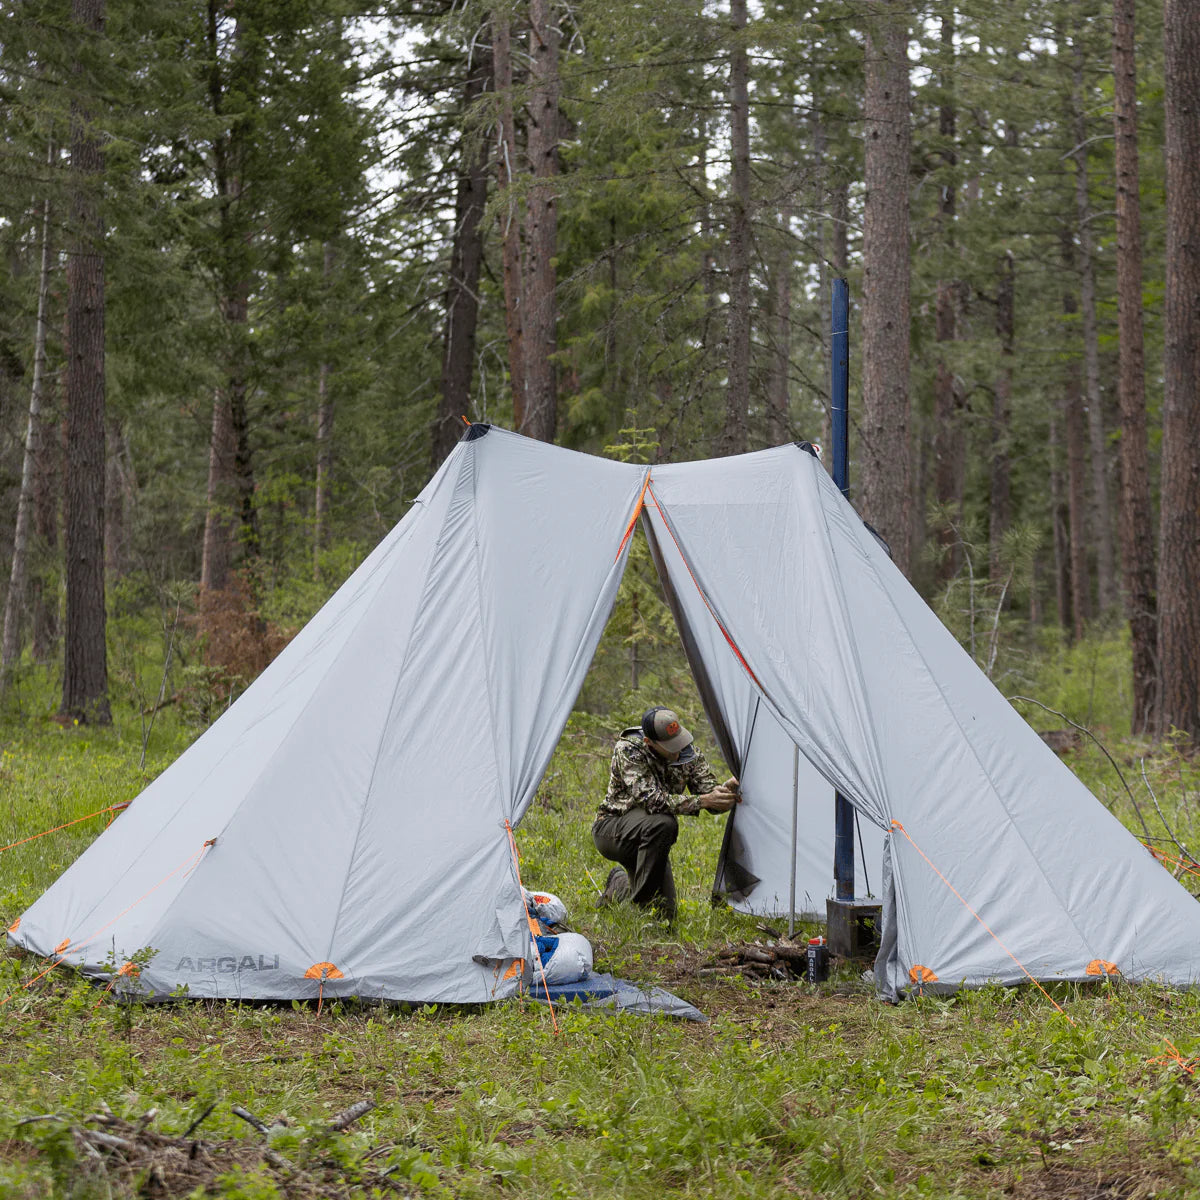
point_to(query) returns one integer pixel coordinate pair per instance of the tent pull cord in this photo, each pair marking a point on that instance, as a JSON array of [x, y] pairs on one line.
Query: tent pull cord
[[900, 828], [112, 808], [65, 947], [517, 868]]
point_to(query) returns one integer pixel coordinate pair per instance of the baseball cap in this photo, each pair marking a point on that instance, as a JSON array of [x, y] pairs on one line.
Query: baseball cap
[[661, 725]]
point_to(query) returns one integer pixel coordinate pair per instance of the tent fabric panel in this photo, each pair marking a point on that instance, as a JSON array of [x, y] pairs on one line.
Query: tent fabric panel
[[892, 711]]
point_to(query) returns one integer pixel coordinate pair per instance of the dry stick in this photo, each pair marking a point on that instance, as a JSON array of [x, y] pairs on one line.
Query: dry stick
[[1084, 729], [347, 1118], [1170, 833], [187, 1133]]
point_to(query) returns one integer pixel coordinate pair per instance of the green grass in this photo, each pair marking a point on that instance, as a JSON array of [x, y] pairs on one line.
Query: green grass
[[789, 1090]]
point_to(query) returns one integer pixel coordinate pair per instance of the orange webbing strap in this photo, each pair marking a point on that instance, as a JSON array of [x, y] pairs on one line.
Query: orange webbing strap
[[637, 512], [65, 947], [127, 968], [112, 808], [1173, 1056], [517, 867], [897, 826], [322, 971], [687, 567]]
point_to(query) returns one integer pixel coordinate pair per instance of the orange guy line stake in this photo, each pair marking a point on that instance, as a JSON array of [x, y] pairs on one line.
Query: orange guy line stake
[[67, 945], [958, 896], [516, 867]]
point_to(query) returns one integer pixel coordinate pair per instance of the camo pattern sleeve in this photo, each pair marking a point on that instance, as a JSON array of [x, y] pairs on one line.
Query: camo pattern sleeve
[[699, 777], [639, 779]]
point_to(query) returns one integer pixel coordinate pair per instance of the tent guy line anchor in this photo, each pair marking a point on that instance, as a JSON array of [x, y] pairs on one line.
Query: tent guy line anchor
[[958, 895]]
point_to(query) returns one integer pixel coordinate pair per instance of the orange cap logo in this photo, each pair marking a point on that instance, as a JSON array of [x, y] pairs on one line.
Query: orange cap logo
[[672, 728]]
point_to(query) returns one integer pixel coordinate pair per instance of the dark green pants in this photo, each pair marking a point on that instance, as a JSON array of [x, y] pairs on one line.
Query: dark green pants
[[641, 842]]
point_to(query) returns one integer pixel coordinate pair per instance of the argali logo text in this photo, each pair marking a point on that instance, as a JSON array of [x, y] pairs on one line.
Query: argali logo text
[[229, 965]]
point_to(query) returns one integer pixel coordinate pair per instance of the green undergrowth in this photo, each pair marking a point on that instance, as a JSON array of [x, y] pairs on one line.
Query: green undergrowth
[[788, 1090]]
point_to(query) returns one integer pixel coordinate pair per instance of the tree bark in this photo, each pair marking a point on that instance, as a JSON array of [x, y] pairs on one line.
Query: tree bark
[[1072, 405], [466, 260], [778, 398], [737, 394], [324, 431], [949, 449], [886, 467], [44, 600], [85, 673], [1000, 493], [1137, 547], [1058, 521], [1179, 562], [540, 317], [1101, 512], [15, 601], [231, 478], [117, 497], [510, 216]]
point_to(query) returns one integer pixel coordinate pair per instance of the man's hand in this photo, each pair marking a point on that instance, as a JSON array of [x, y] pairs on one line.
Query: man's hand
[[730, 785], [722, 800]]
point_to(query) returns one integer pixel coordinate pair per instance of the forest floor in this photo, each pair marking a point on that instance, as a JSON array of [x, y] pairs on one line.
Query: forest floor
[[789, 1089]]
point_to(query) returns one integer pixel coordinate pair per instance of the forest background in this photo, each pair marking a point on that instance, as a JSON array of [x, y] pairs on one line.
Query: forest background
[[262, 257]]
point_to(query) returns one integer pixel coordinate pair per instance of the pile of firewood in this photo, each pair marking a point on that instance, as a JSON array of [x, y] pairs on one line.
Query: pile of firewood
[[779, 958], [162, 1165]]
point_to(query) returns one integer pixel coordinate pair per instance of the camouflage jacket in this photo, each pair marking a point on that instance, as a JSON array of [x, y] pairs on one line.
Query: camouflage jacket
[[639, 778]]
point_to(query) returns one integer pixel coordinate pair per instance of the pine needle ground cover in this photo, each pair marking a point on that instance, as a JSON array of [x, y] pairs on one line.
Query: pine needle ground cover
[[790, 1089]]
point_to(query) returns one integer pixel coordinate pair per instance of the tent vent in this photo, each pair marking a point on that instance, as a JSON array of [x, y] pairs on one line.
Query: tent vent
[[477, 430], [808, 447]]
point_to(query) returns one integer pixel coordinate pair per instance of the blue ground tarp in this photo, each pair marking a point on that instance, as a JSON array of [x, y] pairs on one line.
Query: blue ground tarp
[[607, 991]]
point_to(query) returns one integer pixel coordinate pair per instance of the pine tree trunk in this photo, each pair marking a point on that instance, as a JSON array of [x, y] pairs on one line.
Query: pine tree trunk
[[15, 601], [540, 318], [117, 497], [85, 673], [1101, 513], [466, 260], [1058, 522], [231, 477], [43, 588], [324, 432], [510, 215], [737, 394], [1000, 496], [778, 397], [216, 560], [949, 449], [1179, 564], [1137, 547], [886, 456]]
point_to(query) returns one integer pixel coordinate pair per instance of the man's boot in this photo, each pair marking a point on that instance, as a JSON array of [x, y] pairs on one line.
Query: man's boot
[[616, 888]]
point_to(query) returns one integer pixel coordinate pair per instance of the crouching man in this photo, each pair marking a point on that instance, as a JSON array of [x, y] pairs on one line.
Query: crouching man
[[654, 767]]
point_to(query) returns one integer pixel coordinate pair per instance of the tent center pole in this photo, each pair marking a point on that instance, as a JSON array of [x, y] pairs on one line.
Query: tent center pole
[[795, 815], [843, 837]]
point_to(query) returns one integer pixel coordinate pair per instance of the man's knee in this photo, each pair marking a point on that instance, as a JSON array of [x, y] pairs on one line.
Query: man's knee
[[659, 829]]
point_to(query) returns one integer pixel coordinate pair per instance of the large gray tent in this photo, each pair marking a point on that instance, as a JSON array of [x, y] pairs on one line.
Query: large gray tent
[[345, 826]]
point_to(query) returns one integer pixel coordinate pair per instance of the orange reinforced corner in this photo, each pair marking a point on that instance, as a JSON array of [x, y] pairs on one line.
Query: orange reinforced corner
[[62, 945], [919, 974], [323, 970], [15, 926], [129, 968], [1100, 966]]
